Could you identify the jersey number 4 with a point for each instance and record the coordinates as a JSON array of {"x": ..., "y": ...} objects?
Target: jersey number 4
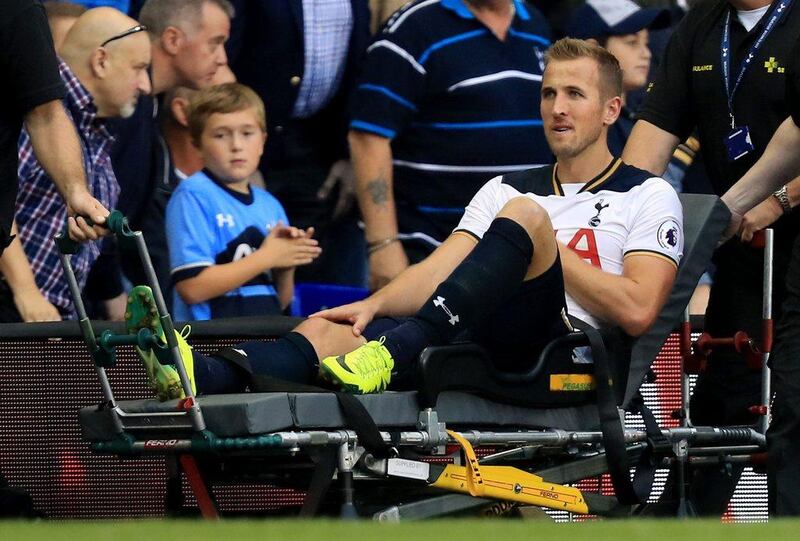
[{"x": 584, "y": 244}]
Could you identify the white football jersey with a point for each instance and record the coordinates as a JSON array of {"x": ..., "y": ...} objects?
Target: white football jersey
[{"x": 621, "y": 212}]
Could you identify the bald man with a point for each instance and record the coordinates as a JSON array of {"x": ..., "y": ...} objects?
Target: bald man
[
  {"x": 31, "y": 93},
  {"x": 104, "y": 63}
]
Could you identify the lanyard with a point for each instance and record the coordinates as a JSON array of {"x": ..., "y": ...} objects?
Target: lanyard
[{"x": 777, "y": 14}]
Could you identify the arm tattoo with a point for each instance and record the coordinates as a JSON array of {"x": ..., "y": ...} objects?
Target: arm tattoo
[{"x": 378, "y": 190}]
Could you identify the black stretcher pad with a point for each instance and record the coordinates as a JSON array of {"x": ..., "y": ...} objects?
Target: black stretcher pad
[{"x": 250, "y": 414}]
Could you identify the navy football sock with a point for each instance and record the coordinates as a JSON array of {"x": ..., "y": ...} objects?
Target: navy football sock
[
  {"x": 215, "y": 375},
  {"x": 291, "y": 358},
  {"x": 405, "y": 342},
  {"x": 486, "y": 278}
]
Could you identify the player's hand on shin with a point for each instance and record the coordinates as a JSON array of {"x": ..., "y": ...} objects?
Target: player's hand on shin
[
  {"x": 385, "y": 264},
  {"x": 286, "y": 247},
  {"x": 357, "y": 314}
]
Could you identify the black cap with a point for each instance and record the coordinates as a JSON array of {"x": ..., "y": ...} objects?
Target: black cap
[{"x": 597, "y": 18}]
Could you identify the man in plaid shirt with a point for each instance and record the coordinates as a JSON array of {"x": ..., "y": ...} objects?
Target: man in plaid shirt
[{"x": 104, "y": 69}]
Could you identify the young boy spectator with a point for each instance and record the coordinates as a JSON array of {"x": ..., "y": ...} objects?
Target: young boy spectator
[
  {"x": 185, "y": 158},
  {"x": 231, "y": 253}
]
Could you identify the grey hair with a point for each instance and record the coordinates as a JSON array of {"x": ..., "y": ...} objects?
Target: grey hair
[{"x": 157, "y": 15}]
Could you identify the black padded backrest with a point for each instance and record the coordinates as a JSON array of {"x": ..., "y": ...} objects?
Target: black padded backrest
[{"x": 704, "y": 219}]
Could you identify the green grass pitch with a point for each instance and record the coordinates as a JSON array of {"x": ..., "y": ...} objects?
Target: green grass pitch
[{"x": 450, "y": 530}]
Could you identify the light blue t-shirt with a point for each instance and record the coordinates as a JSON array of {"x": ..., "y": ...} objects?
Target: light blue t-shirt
[{"x": 209, "y": 224}]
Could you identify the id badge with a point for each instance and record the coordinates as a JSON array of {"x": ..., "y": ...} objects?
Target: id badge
[{"x": 738, "y": 143}]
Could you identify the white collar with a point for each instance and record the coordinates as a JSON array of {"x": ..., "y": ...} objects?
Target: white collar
[{"x": 750, "y": 17}]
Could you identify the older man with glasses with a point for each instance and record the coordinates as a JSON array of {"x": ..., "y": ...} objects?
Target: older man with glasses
[
  {"x": 31, "y": 92},
  {"x": 104, "y": 63}
]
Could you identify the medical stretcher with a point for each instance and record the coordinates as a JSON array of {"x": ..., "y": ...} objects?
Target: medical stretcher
[{"x": 386, "y": 459}]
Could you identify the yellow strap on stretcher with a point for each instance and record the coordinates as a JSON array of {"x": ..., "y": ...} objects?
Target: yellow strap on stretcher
[{"x": 506, "y": 483}]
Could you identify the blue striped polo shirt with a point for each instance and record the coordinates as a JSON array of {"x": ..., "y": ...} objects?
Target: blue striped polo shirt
[{"x": 460, "y": 105}]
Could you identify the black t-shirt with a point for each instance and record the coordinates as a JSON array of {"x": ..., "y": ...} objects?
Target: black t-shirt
[
  {"x": 793, "y": 84},
  {"x": 689, "y": 88},
  {"x": 792, "y": 302},
  {"x": 135, "y": 156},
  {"x": 142, "y": 165},
  {"x": 30, "y": 78}
]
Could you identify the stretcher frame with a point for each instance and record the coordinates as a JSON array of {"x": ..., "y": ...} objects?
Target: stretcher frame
[
  {"x": 693, "y": 357},
  {"x": 545, "y": 460}
]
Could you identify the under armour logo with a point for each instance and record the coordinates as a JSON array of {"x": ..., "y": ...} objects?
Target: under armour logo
[
  {"x": 439, "y": 302},
  {"x": 780, "y": 7},
  {"x": 595, "y": 220},
  {"x": 724, "y": 51},
  {"x": 225, "y": 219}
]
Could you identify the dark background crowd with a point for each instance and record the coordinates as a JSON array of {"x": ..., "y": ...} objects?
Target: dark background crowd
[{"x": 323, "y": 153}]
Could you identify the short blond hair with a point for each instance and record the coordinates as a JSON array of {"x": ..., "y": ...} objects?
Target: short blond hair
[
  {"x": 607, "y": 63},
  {"x": 223, "y": 99}
]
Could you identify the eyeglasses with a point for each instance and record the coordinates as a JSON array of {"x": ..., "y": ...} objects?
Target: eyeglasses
[{"x": 128, "y": 32}]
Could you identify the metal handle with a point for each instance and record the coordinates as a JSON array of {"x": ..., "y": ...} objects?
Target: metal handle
[
  {"x": 64, "y": 243},
  {"x": 116, "y": 222}
]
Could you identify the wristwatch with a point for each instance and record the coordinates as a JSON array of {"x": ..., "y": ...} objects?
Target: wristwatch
[{"x": 783, "y": 199}]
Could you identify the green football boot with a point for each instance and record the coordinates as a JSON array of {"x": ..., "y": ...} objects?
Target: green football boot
[
  {"x": 365, "y": 370},
  {"x": 163, "y": 379}
]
